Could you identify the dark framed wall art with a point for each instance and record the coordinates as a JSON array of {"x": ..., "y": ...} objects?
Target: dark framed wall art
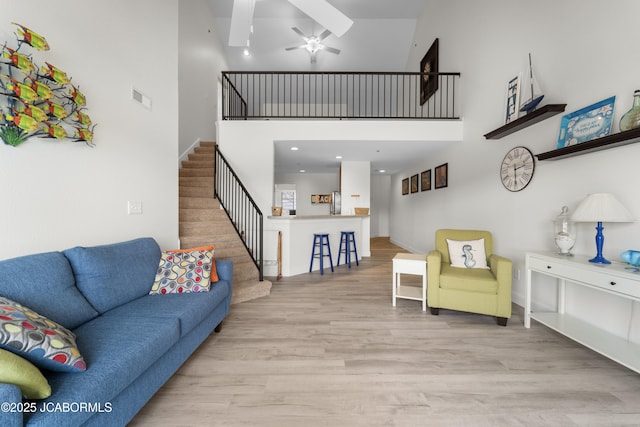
[
  {"x": 414, "y": 183},
  {"x": 405, "y": 186},
  {"x": 429, "y": 64},
  {"x": 441, "y": 176},
  {"x": 425, "y": 180}
]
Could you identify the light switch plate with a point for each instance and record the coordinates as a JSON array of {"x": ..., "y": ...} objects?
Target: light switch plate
[{"x": 134, "y": 208}]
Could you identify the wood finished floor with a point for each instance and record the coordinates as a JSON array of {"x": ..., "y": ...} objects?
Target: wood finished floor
[{"x": 331, "y": 351}]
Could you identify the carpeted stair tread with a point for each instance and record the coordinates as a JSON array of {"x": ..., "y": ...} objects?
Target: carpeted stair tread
[
  {"x": 201, "y": 157},
  {"x": 203, "y": 152},
  {"x": 198, "y": 203},
  {"x": 195, "y": 191},
  {"x": 198, "y": 215},
  {"x": 195, "y": 181},
  {"x": 197, "y": 163},
  {"x": 209, "y": 229},
  {"x": 199, "y": 172}
]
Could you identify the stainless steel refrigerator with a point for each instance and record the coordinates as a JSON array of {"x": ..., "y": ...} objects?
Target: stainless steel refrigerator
[{"x": 336, "y": 203}]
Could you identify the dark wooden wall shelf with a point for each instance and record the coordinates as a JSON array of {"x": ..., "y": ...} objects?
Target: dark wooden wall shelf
[
  {"x": 615, "y": 140},
  {"x": 536, "y": 116}
]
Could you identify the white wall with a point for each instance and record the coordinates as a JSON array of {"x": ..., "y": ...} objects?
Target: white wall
[
  {"x": 583, "y": 52},
  {"x": 355, "y": 186},
  {"x": 54, "y": 195},
  {"x": 308, "y": 184},
  {"x": 380, "y": 205},
  {"x": 201, "y": 60}
]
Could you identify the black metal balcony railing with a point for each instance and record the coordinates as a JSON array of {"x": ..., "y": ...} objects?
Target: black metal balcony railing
[
  {"x": 234, "y": 105},
  {"x": 336, "y": 95},
  {"x": 241, "y": 209}
]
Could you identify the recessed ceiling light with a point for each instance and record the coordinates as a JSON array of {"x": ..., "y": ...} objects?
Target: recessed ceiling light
[
  {"x": 294, "y": 148},
  {"x": 302, "y": 171},
  {"x": 382, "y": 171},
  {"x": 246, "y": 52},
  {"x": 338, "y": 157}
]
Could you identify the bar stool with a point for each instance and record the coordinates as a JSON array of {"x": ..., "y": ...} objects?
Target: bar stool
[
  {"x": 347, "y": 238},
  {"x": 320, "y": 240}
]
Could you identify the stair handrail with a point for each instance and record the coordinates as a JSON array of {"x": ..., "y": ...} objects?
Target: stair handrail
[
  {"x": 237, "y": 106},
  {"x": 242, "y": 210}
]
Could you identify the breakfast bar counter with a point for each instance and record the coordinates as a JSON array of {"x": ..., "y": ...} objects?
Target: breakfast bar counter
[{"x": 297, "y": 238}]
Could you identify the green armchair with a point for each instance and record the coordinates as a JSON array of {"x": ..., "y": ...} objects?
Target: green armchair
[{"x": 475, "y": 290}]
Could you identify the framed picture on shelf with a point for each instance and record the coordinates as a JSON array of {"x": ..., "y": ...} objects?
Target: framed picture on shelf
[
  {"x": 425, "y": 180},
  {"x": 405, "y": 186},
  {"x": 587, "y": 123},
  {"x": 441, "y": 176},
  {"x": 513, "y": 99},
  {"x": 414, "y": 183},
  {"x": 320, "y": 198},
  {"x": 429, "y": 64}
]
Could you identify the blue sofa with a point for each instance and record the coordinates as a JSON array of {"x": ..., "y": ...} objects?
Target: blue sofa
[{"x": 132, "y": 342}]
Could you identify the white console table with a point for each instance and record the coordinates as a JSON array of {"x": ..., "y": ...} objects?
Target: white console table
[{"x": 613, "y": 279}]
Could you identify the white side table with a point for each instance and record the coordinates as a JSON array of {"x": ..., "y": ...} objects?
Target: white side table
[{"x": 410, "y": 264}]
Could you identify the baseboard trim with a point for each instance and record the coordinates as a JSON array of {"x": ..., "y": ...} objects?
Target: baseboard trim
[
  {"x": 404, "y": 246},
  {"x": 184, "y": 156}
]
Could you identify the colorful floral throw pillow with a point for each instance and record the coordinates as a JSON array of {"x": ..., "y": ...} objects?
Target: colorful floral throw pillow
[
  {"x": 183, "y": 272},
  {"x": 42, "y": 341}
]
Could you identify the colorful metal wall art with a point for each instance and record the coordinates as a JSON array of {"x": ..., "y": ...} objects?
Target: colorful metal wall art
[{"x": 38, "y": 101}]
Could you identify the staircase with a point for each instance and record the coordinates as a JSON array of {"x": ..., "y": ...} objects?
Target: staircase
[{"x": 203, "y": 222}]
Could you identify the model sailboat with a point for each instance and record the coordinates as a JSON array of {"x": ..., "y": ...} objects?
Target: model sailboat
[{"x": 534, "y": 99}]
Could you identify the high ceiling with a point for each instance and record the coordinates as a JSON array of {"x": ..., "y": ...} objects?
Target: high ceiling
[{"x": 379, "y": 40}]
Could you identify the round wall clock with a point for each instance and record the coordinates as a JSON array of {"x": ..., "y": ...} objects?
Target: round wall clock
[{"x": 517, "y": 169}]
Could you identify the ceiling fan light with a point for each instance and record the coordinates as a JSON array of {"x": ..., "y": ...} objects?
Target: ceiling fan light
[{"x": 313, "y": 45}]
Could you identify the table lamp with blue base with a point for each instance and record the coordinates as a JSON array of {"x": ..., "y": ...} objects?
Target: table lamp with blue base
[{"x": 601, "y": 207}]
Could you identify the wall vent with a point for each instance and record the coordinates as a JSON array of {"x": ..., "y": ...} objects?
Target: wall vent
[{"x": 141, "y": 98}]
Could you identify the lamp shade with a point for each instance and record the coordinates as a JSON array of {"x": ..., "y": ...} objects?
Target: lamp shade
[{"x": 601, "y": 207}]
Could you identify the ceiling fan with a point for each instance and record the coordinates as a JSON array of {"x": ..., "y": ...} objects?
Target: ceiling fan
[{"x": 313, "y": 44}]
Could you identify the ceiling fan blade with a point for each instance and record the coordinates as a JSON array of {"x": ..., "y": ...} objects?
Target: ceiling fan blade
[
  {"x": 332, "y": 50},
  {"x": 324, "y": 14},
  {"x": 298, "y": 32},
  {"x": 296, "y": 47},
  {"x": 324, "y": 35},
  {"x": 241, "y": 18}
]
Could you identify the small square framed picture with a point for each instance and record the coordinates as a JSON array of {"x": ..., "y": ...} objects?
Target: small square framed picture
[
  {"x": 405, "y": 186},
  {"x": 441, "y": 176},
  {"x": 425, "y": 180}
]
